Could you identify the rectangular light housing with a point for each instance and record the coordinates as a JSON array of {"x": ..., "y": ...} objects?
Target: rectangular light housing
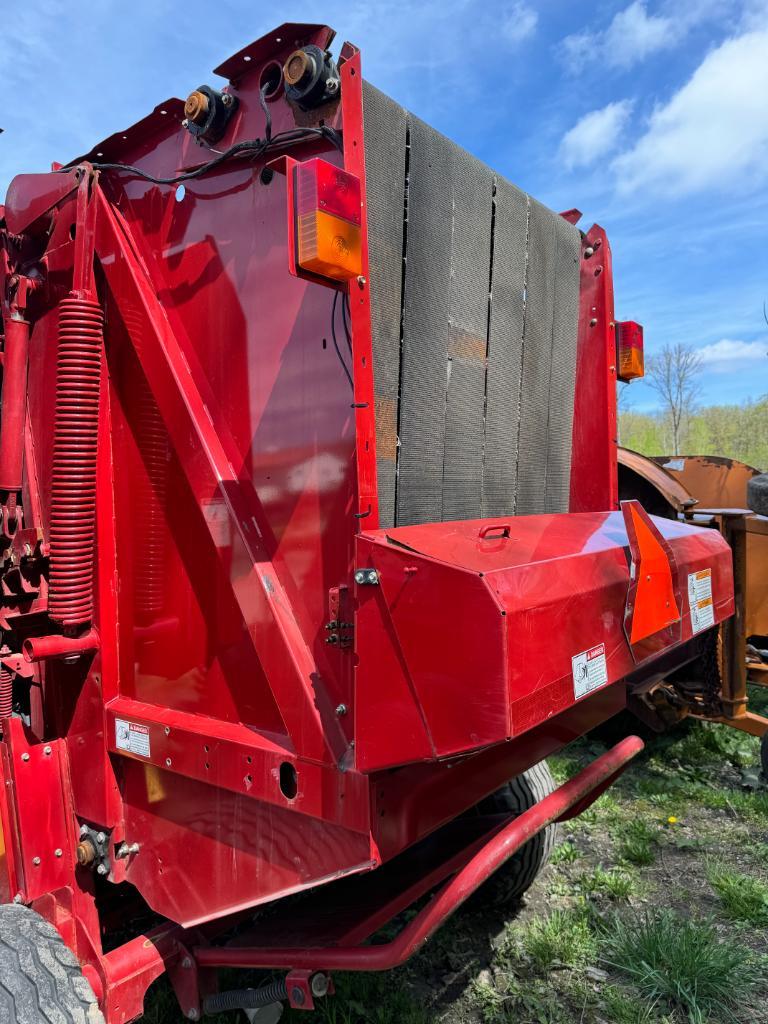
[
  {"x": 629, "y": 343},
  {"x": 328, "y": 219}
]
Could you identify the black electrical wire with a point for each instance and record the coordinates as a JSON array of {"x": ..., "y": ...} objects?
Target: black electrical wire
[
  {"x": 254, "y": 147},
  {"x": 267, "y": 115},
  {"x": 346, "y": 316},
  {"x": 335, "y": 342}
]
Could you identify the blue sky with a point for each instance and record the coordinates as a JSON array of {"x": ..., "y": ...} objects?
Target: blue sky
[{"x": 651, "y": 117}]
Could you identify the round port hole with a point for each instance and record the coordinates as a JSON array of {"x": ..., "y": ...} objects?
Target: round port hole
[
  {"x": 271, "y": 79},
  {"x": 289, "y": 784}
]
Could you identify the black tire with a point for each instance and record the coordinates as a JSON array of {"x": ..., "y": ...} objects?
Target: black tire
[
  {"x": 757, "y": 494},
  {"x": 40, "y": 978},
  {"x": 516, "y": 796}
]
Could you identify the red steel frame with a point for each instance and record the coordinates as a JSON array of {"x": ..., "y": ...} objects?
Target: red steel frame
[{"x": 235, "y": 495}]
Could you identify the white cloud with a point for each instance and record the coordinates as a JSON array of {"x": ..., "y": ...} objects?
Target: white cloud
[
  {"x": 635, "y": 34},
  {"x": 714, "y": 130},
  {"x": 595, "y": 134},
  {"x": 519, "y": 23},
  {"x": 728, "y": 354},
  {"x": 632, "y": 35}
]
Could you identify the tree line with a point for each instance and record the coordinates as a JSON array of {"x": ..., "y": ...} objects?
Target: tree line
[{"x": 681, "y": 426}]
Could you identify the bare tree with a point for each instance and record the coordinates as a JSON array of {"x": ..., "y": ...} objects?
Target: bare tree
[{"x": 674, "y": 374}]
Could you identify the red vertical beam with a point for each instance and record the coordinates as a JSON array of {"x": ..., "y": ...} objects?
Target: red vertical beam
[
  {"x": 594, "y": 466},
  {"x": 360, "y": 302}
]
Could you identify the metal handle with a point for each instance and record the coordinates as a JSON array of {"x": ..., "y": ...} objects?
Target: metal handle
[{"x": 503, "y": 530}]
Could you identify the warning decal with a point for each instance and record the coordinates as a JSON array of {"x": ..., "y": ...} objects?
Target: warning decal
[
  {"x": 590, "y": 671},
  {"x": 132, "y": 737},
  {"x": 700, "y": 600}
]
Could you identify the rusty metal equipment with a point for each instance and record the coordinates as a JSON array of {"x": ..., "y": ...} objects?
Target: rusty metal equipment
[
  {"x": 712, "y": 491},
  {"x": 311, "y": 537}
]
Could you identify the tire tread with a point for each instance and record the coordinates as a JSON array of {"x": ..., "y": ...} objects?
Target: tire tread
[{"x": 40, "y": 978}]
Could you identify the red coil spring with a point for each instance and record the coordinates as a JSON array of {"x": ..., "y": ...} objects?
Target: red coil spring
[
  {"x": 6, "y": 692},
  {"x": 73, "y": 482}
]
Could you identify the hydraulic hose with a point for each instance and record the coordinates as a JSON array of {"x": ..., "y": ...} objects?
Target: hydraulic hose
[{"x": 246, "y": 998}]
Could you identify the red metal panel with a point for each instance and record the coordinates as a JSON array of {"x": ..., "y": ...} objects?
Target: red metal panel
[
  {"x": 594, "y": 475},
  {"x": 209, "y": 852},
  {"x": 39, "y": 777},
  {"x": 497, "y": 849},
  {"x": 536, "y": 595}
]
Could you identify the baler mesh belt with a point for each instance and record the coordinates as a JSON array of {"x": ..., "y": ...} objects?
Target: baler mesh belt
[{"x": 475, "y": 291}]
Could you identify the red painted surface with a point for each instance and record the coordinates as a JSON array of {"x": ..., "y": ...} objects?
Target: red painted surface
[
  {"x": 508, "y": 612},
  {"x": 594, "y": 466},
  {"x": 652, "y": 589},
  {"x": 580, "y": 790},
  {"x": 199, "y": 717}
]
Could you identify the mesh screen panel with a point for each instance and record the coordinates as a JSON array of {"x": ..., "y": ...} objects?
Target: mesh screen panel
[{"x": 475, "y": 290}]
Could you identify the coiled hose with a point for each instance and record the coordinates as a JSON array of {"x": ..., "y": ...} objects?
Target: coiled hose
[{"x": 246, "y": 998}]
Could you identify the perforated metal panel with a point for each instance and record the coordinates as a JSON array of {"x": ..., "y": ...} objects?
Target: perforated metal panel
[{"x": 475, "y": 291}]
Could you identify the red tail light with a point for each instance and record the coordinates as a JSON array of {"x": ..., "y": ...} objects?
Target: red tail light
[
  {"x": 328, "y": 215},
  {"x": 629, "y": 342}
]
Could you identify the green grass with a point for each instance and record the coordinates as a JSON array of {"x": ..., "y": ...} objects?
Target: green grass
[
  {"x": 743, "y": 897},
  {"x": 373, "y": 998},
  {"x": 683, "y": 963},
  {"x": 613, "y": 883},
  {"x": 623, "y": 1007},
  {"x": 565, "y": 853},
  {"x": 563, "y": 938},
  {"x": 636, "y": 845}
]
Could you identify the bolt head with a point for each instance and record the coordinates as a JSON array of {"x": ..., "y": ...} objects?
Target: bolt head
[
  {"x": 193, "y": 1014},
  {"x": 319, "y": 984},
  {"x": 332, "y": 86},
  {"x": 185, "y": 123},
  {"x": 297, "y": 996},
  {"x": 58, "y": 852},
  {"x": 361, "y": 280},
  {"x": 25, "y": 757},
  {"x": 186, "y": 963},
  {"x": 359, "y": 577},
  {"x": 341, "y": 709},
  {"x": 100, "y": 837},
  {"x": 373, "y": 576},
  {"x": 227, "y": 99},
  {"x": 36, "y": 861},
  {"x": 18, "y": 898},
  {"x": 46, "y": 750},
  {"x": 588, "y": 251},
  {"x": 102, "y": 870}
]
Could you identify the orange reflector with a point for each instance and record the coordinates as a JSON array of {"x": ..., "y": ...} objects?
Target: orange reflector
[
  {"x": 655, "y": 606},
  {"x": 629, "y": 342},
  {"x": 328, "y": 217},
  {"x": 329, "y": 246}
]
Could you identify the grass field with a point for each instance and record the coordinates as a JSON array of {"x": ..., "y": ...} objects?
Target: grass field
[{"x": 653, "y": 909}]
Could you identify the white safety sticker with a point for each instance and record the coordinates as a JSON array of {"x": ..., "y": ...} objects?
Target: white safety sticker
[
  {"x": 132, "y": 737},
  {"x": 590, "y": 671},
  {"x": 700, "y": 600}
]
